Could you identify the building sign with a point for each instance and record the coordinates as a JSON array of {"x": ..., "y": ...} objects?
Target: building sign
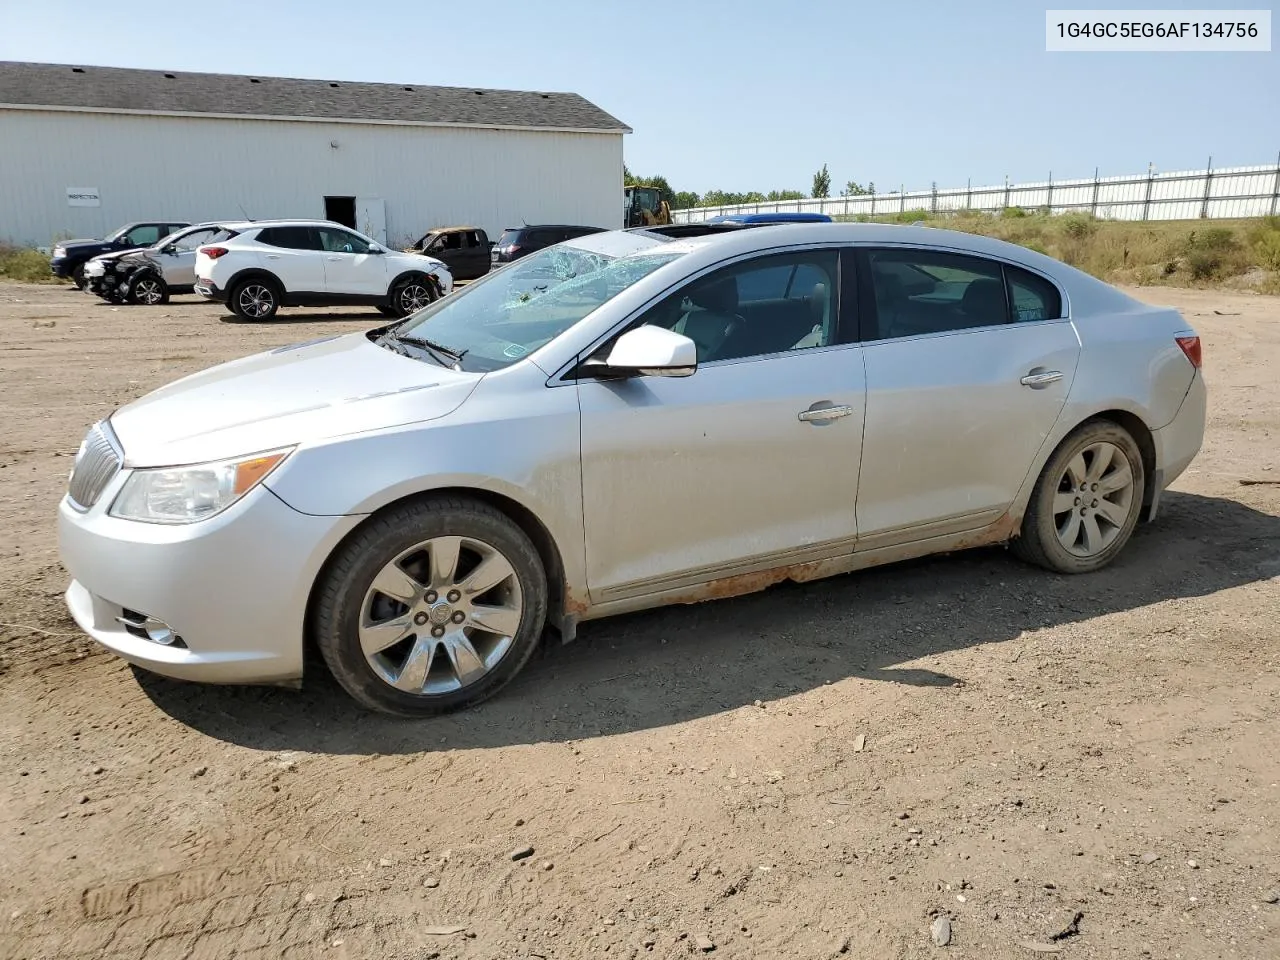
[{"x": 83, "y": 197}]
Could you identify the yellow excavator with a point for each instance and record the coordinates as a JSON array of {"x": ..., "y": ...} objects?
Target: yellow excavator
[{"x": 645, "y": 207}]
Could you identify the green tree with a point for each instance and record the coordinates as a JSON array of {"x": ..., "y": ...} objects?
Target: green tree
[
  {"x": 854, "y": 189},
  {"x": 822, "y": 182},
  {"x": 685, "y": 199},
  {"x": 784, "y": 195}
]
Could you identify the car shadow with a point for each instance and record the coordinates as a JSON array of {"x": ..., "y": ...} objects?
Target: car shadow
[
  {"x": 292, "y": 315},
  {"x": 678, "y": 663}
]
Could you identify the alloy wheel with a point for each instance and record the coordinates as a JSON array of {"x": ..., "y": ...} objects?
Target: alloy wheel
[
  {"x": 255, "y": 300},
  {"x": 441, "y": 615},
  {"x": 147, "y": 291},
  {"x": 413, "y": 297},
  {"x": 1094, "y": 496}
]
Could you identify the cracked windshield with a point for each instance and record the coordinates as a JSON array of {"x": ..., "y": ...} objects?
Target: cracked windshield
[{"x": 517, "y": 309}]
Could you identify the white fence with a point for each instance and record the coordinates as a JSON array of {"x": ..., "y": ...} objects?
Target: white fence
[{"x": 1186, "y": 195}]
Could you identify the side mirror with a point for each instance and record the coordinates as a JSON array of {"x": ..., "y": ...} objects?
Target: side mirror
[
  {"x": 374, "y": 248},
  {"x": 653, "y": 352}
]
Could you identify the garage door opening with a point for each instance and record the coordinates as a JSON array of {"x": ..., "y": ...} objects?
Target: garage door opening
[{"x": 341, "y": 210}]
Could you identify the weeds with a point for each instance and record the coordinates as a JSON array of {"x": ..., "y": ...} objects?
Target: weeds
[
  {"x": 1242, "y": 253},
  {"x": 25, "y": 264}
]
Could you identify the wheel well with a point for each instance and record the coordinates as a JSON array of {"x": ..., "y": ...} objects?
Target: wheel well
[
  {"x": 516, "y": 512},
  {"x": 1141, "y": 434},
  {"x": 423, "y": 274},
  {"x": 254, "y": 273}
]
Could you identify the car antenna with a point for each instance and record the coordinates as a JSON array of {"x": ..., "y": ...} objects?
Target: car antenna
[{"x": 246, "y": 215}]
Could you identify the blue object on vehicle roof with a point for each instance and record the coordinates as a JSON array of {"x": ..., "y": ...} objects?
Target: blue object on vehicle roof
[{"x": 771, "y": 218}]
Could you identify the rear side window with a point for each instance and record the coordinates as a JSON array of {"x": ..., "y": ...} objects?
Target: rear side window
[
  {"x": 543, "y": 238},
  {"x": 194, "y": 239},
  {"x": 1032, "y": 297},
  {"x": 919, "y": 292},
  {"x": 290, "y": 238},
  {"x": 220, "y": 235}
]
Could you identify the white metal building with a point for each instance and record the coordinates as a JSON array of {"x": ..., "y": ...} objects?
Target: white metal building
[{"x": 86, "y": 149}]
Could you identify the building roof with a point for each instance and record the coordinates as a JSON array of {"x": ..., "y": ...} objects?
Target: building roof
[{"x": 114, "y": 89}]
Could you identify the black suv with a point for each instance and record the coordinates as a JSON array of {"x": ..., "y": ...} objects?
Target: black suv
[
  {"x": 70, "y": 256},
  {"x": 517, "y": 242}
]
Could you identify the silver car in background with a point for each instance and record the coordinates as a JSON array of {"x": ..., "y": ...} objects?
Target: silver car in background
[{"x": 626, "y": 420}]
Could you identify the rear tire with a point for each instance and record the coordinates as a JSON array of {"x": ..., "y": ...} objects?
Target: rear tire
[
  {"x": 255, "y": 299},
  {"x": 430, "y": 607},
  {"x": 1086, "y": 502}
]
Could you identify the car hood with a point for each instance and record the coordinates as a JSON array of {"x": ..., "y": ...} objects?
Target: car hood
[
  {"x": 295, "y": 394},
  {"x": 81, "y": 245}
]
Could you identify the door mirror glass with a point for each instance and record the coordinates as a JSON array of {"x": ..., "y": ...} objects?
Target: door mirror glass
[{"x": 653, "y": 352}]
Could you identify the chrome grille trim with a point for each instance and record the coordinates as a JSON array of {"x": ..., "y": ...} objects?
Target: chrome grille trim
[{"x": 97, "y": 464}]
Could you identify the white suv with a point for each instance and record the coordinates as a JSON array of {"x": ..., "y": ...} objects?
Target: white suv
[{"x": 256, "y": 268}]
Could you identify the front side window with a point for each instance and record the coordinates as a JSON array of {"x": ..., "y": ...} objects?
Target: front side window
[
  {"x": 190, "y": 241},
  {"x": 339, "y": 241},
  {"x": 144, "y": 236},
  {"x": 768, "y": 305},
  {"x": 508, "y": 314},
  {"x": 920, "y": 292}
]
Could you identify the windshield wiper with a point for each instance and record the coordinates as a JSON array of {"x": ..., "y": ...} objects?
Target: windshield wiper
[{"x": 438, "y": 350}]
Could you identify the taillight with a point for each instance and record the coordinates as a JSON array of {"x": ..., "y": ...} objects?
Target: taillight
[
  {"x": 213, "y": 253},
  {"x": 1191, "y": 347}
]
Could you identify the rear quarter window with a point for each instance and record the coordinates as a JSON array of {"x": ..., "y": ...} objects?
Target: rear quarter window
[{"x": 1032, "y": 297}]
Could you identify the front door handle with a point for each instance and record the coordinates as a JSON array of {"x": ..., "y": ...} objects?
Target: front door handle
[
  {"x": 1043, "y": 378},
  {"x": 824, "y": 412},
  {"x": 273, "y": 256}
]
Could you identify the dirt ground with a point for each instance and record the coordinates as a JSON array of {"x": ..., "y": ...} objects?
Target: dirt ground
[{"x": 819, "y": 769}]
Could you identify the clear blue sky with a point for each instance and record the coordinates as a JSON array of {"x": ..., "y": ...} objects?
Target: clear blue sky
[{"x": 739, "y": 95}]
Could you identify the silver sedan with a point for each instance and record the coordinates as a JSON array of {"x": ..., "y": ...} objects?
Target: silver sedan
[{"x": 626, "y": 420}]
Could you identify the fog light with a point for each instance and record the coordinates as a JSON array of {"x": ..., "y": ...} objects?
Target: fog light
[{"x": 149, "y": 628}]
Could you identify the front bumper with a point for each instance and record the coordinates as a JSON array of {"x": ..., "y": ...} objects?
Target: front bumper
[
  {"x": 234, "y": 587},
  {"x": 60, "y": 268}
]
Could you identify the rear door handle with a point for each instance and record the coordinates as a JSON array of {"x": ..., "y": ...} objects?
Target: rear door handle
[
  {"x": 819, "y": 414},
  {"x": 1037, "y": 380},
  {"x": 333, "y": 258}
]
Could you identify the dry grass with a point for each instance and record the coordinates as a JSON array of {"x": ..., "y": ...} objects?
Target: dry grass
[
  {"x": 1241, "y": 254},
  {"x": 23, "y": 263}
]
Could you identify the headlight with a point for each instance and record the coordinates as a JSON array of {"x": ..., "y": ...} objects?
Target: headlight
[
  {"x": 188, "y": 494},
  {"x": 59, "y": 252}
]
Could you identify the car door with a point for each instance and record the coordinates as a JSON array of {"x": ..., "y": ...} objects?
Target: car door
[
  {"x": 752, "y": 462},
  {"x": 350, "y": 270},
  {"x": 293, "y": 255},
  {"x": 178, "y": 259},
  {"x": 962, "y": 389}
]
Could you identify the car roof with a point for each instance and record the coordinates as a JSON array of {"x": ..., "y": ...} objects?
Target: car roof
[
  {"x": 448, "y": 230},
  {"x": 253, "y": 224}
]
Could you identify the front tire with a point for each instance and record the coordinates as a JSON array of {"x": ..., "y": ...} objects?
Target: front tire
[
  {"x": 1086, "y": 502},
  {"x": 149, "y": 290},
  {"x": 412, "y": 294},
  {"x": 255, "y": 299},
  {"x": 77, "y": 277},
  {"x": 431, "y": 607}
]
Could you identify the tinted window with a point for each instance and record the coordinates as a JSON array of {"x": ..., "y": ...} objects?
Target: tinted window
[
  {"x": 291, "y": 238},
  {"x": 1033, "y": 297},
  {"x": 756, "y": 307},
  {"x": 472, "y": 239},
  {"x": 921, "y": 291},
  {"x": 508, "y": 238},
  {"x": 144, "y": 236},
  {"x": 453, "y": 241},
  {"x": 543, "y": 238}
]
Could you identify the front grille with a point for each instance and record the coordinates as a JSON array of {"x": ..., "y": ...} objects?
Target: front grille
[{"x": 96, "y": 464}]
